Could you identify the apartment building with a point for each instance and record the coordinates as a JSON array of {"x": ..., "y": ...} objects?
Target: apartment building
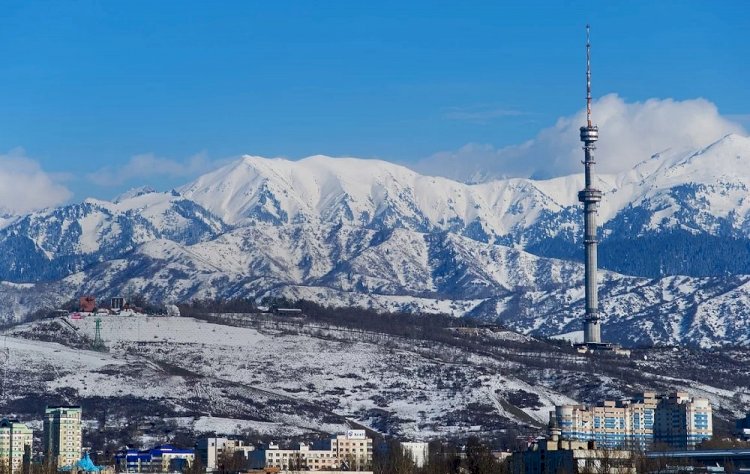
[
  {"x": 305, "y": 457},
  {"x": 610, "y": 423},
  {"x": 212, "y": 449},
  {"x": 15, "y": 445},
  {"x": 62, "y": 435},
  {"x": 353, "y": 449},
  {"x": 683, "y": 422},
  {"x": 349, "y": 451}
]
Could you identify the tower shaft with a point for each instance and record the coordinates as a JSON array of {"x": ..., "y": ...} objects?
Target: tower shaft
[{"x": 590, "y": 197}]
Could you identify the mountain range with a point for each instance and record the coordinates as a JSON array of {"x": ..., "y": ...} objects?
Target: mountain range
[{"x": 675, "y": 244}]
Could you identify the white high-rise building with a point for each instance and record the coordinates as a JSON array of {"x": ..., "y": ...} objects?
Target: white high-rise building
[
  {"x": 418, "y": 452},
  {"x": 62, "y": 435},
  {"x": 210, "y": 450},
  {"x": 15, "y": 443}
]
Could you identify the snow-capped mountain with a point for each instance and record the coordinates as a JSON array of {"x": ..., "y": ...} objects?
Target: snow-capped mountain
[
  {"x": 372, "y": 233},
  {"x": 430, "y": 273},
  {"x": 55, "y": 243},
  {"x": 697, "y": 198},
  {"x": 373, "y": 194},
  {"x": 702, "y": 190}
]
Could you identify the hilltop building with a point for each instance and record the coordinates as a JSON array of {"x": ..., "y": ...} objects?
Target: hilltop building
[
  {"x": 62, "y": 435},
  {"x": 15, "y": 445},
  {"x": 117, "y": 303},
  {"x": 87, "y": 304},
  {"x": 675, "y": 420},
  {"x": 164, "y": 458}
]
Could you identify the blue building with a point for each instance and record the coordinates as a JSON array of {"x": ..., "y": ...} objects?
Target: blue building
[{"x": 163, "y": 458}]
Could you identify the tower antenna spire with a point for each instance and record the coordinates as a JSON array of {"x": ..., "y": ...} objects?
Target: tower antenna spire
[{"x": 588, "y": 75}]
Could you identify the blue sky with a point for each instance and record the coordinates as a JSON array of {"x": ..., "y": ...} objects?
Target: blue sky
[{"x": 86, "y": 86}]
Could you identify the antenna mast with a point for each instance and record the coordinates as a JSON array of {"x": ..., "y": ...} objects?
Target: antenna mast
[{"x": 588, "y": 75}]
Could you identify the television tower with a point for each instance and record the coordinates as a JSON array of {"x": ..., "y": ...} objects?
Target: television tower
[{"x": 590, "y": 197}]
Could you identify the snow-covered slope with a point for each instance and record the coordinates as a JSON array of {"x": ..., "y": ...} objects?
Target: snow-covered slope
[
  {"x": 698, "y": 190},
  {"x": 278, "y": 377},
  {"x": 403, "y": 270},
  {"x": 371, "y": 233}
]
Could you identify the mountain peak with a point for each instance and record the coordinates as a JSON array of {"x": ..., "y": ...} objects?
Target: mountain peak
[
  {"x": 726, "y": 157},
  {"x": 731, "y": 140},
  {"x": 134, "y": 192}
]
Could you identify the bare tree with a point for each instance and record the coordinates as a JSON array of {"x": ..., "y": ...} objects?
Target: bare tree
[{"x": 393, "y": 460}]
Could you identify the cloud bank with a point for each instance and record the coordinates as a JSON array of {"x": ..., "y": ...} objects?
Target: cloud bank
[
  {"x": 147, "y": 165},
  {"x": 628, "y": 133},
  {"x": 26, "y": 187}
]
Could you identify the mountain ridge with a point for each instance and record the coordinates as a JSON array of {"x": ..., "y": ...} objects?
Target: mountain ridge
[{"x": 373, "y": 233}]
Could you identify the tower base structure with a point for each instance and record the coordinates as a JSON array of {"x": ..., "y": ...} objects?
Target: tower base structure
[{"x": 602, "y": 348}]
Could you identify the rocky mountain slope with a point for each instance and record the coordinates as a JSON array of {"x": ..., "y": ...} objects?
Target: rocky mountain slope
[{"x": 375, "y": 234}]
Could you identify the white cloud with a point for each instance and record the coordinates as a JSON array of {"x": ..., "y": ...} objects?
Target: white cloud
[
  {"x": 628, "y": 133},
  {"x": 145, "y": 166},
  {"x": 25, "y": 186}
]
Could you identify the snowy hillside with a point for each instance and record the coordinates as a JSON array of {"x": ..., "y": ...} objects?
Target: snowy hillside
[
  {"x": 345, "y": 231},
  {"x": 272, "y": 376},
  {"x": 38, "y": 371}
]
